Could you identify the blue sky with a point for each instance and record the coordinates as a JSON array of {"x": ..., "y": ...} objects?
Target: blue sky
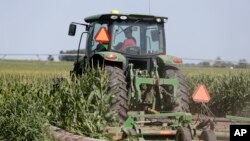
[{"x": 202, "y": 29}]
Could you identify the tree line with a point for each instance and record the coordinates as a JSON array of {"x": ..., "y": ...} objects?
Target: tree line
[
  {"x": 66, "y": 55},
  {"x": 218, "y": 63}
]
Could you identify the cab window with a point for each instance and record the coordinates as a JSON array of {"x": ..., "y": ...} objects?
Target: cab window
[
  {"x": 138, "y": 38},
  {"x": 91, "y": 43},
  {"x": 122, "y": 32}
]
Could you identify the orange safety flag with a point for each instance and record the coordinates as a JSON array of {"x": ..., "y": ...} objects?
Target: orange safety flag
[
  {"x": 201, "y": 94},
  {"x": 102, "y": 35}
]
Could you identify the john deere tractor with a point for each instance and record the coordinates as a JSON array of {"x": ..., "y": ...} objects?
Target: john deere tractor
[
  {"x": 150, "y": 94},
  {"x": 132, "y": 49}
]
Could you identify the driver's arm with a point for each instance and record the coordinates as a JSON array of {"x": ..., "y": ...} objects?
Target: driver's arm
[
  {"x": 118, "y": 46},
  {"x": 127, "y": 43}
]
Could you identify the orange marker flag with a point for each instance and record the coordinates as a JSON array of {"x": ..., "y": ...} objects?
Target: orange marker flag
[
  {"x": 102, "y": 35},
  {"x": 201, "y": 94}
]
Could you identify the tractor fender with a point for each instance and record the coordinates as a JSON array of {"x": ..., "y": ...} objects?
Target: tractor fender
[
  {"x": 168, "y": 60},
  {"x": 109, "y": 58}
]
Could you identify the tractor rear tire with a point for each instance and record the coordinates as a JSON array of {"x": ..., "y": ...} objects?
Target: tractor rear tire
[
  {"x": 182, "y": 96},
  {"x": 183, "y": 134},
  {"x": 208, "y": 135},
  {"x": 117, "y": 85}
]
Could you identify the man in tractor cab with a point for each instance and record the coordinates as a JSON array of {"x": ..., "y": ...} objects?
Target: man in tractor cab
[{"x": 129, "y": 41}]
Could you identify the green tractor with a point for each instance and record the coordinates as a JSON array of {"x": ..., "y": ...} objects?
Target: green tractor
[
  {"x": 132, "y": 49},
  {"x": 151, "y": 89}
]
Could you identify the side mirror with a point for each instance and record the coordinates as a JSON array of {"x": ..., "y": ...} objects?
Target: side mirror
[{"x": 72, "y": 30}]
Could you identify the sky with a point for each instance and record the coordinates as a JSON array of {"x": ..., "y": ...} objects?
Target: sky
[{"x": 202, "y": 29}]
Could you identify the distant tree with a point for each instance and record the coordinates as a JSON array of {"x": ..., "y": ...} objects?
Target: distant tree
[
  {"x": 204, "y": 64},
  {"x": 242, "y": 63},
  {"x": 219, "y": 63},
  {"x": 50, "y": 58},
  {"x": 189, "y": 65},
  {"x": 66, "y": 55},
  {"x": 230, "y": 64}
]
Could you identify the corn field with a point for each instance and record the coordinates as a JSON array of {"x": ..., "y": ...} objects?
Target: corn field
[
  {"x": 30, "y": 101},
  {"x": 230, "y": 92},
  {"x": 35, "y": 94}
]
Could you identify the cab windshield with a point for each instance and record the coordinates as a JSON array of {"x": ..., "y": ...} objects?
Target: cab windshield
[{"x": 138, "y": 38}]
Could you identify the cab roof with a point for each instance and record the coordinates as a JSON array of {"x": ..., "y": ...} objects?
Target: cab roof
[{"x": 107, "y": 17}]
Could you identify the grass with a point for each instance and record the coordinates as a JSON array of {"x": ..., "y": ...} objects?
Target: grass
[
  {"x": 35, "y": 67},
  {"x": 212, "y": 71}
]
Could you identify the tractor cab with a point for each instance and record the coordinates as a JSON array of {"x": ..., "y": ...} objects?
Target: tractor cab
[
  {"x": 125, "y": 34},
  {"x": 118, "y": 39}
]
